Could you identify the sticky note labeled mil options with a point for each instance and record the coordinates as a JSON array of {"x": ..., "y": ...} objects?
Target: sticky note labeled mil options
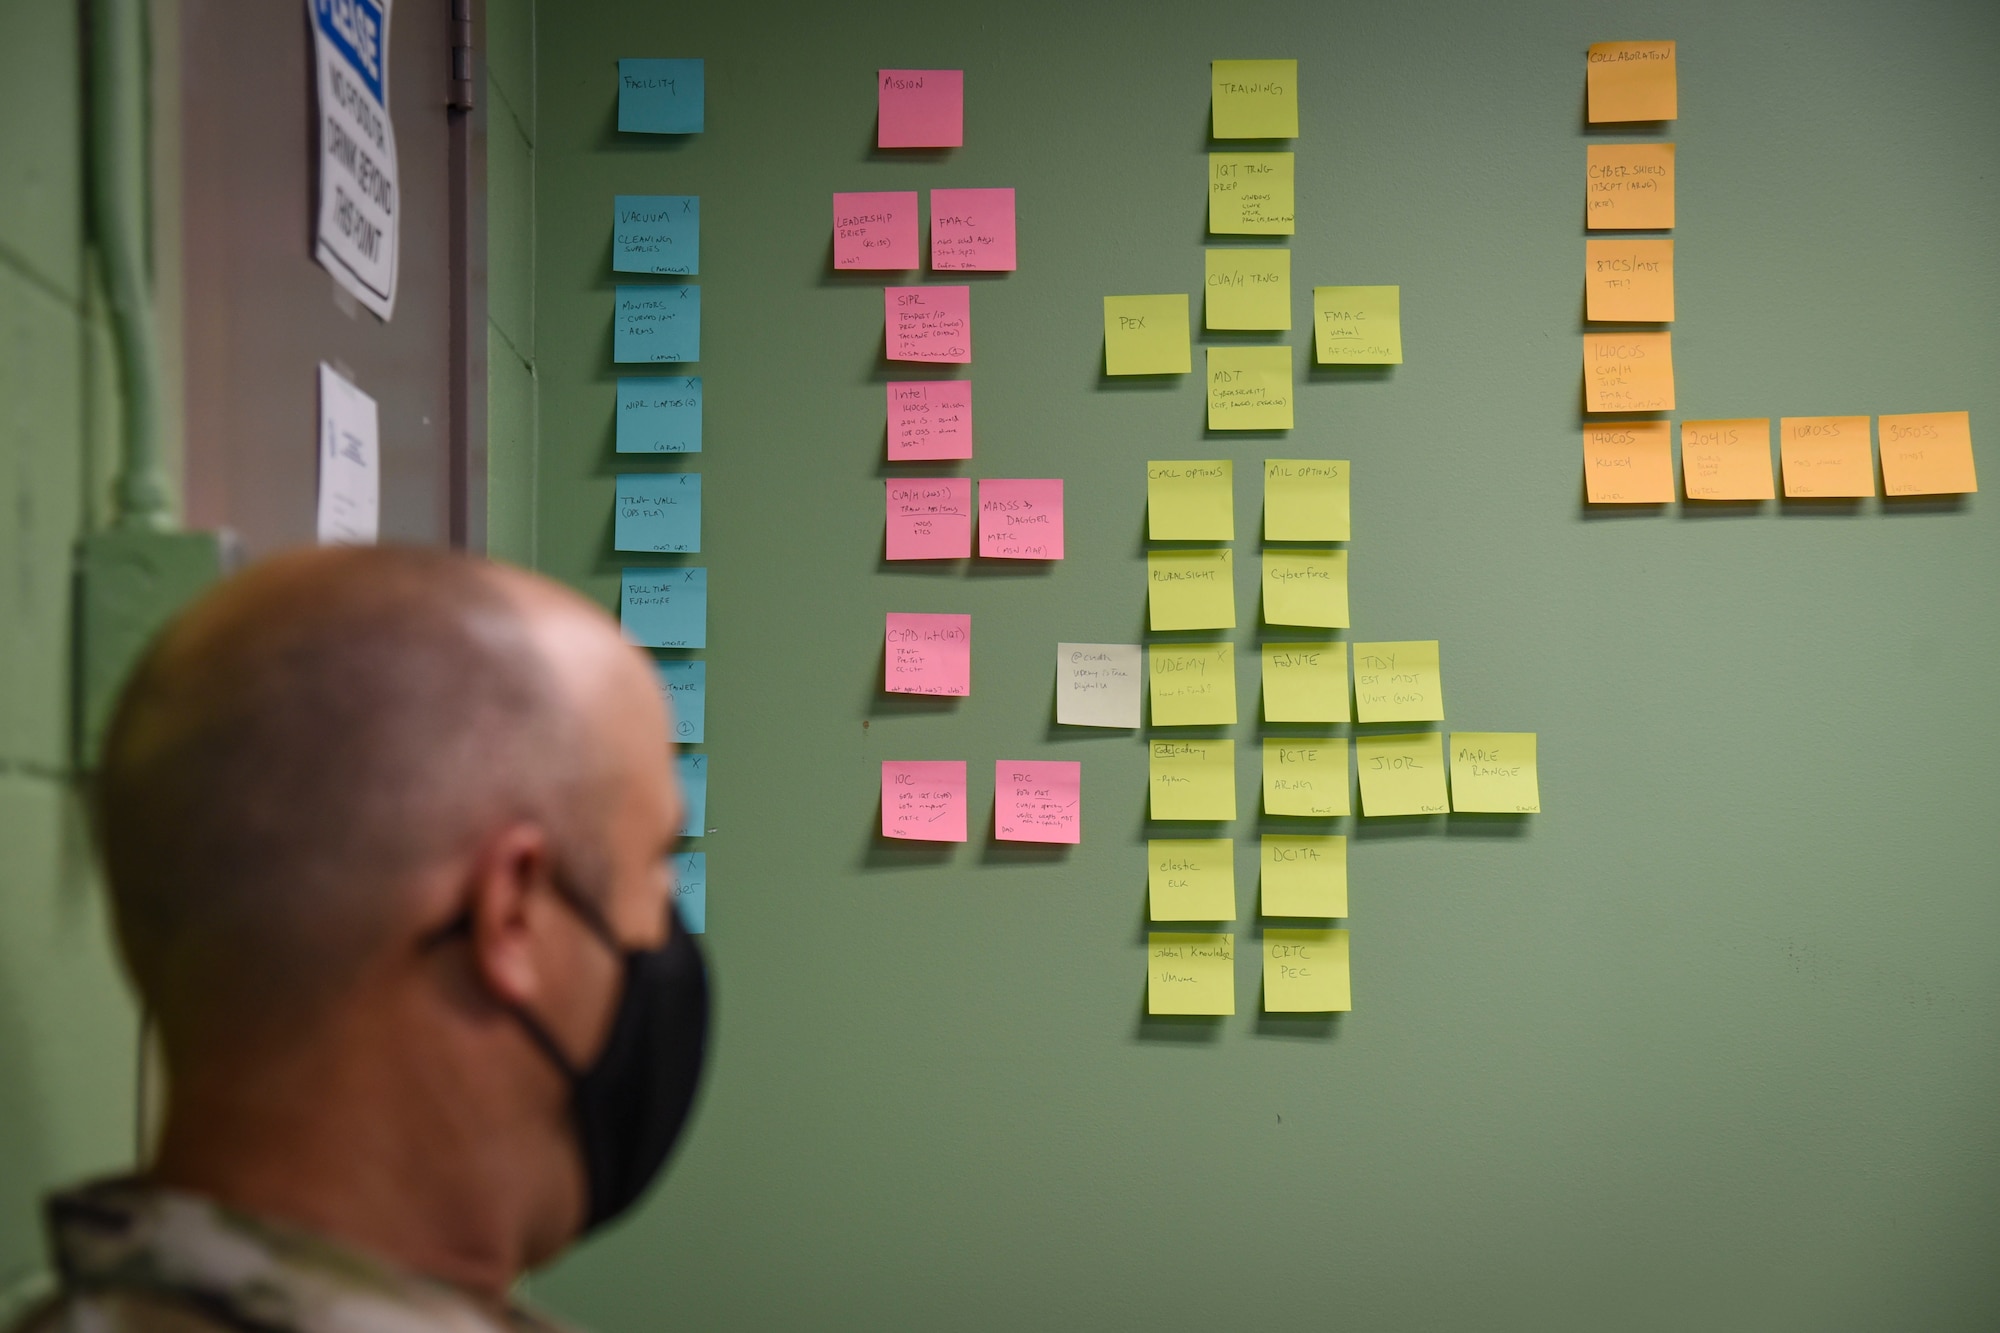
[
  {"x": 1191, "y": 879},
  {"x": 1097, "y": 684},
  {"x": 1248, "y": 289},
  {"x": 1927, "y": 453},
  {"x": 664, "y": 608},
  {"x": 1306, "y": 500},
  {"x": 927, "y": 654},
  {"x": 972, "y": 230},
  {"x": 1628, "y": 280},
  {"x": 1253, "y": 99},
  {"x": 1401, "y": 775},
  {"x": 1037, "y": 800},
  {"x": 919, "y": 108},
  {"x": 1193, "y": 779},
  {"x": 1727, "y": 460},
  {"x": 659, "y": 323},
  {"x": 1250, "y": 194},
  {"x": 1494, "y": 772},
  {"x": 875, "y": 230},
  {"x": 1021, "y": 518},
  {"x": 656, "y": 233},
  {"x": 659, "y": 414},
  {"x": 1190, "y": 974},
  {"x": 927, "y": 324},
  {"x": 1191, "y": 589},
  {"x": 1306, "y": 776},
  {"x": 1628, "y": 372},
  {"x": 1305, "y": 587},
  {"x": 1305, "y": 971},
  {"x": 1826, "y": 457},
  {"x": 1303, "y": 874},
  {"x": 657, "y": 511},
  {"x": 1629, "y": 187},
  {"x": 661, "y": 96},
  {"x": 1398, "y": 682},
  {"x": 1358, "y": 326},
  {"x": 929, "y": 419},
  {"x": 1631, "y": 81},
  {"x": 1147, "y": 335},
  {"x": 1249, "y": 388},
  {"x": 1193, "y": 684},
  {"x": 1305, "y": 682},
  {"x": 1630, "y": 463},
  {"x": 1191, "y": 500},
  {"x": 924, "y": 799},
  {"x": 929, "y": 518},
  {"x": 684, "y": 683}
]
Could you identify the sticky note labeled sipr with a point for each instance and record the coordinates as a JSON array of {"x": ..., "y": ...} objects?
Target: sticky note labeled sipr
[
  {"x": 1306, "y": 776},
  {"x": 657, "y": 511},
  {"x": 1193, "y": 684},
  {"x": 927, "y": 324},
  {"x": 685, "y": 686},
  {"x": 1250, "y": 194},
  {"x": 1493, "y": 772},
  {"x": 924, "y": 799},
  {"x": 659, "y": 323},
  {"x": 1631, "y": 81},
  {"x": 664, "y": 608},
  {"x": 1826, "y": 457},
  {"x": 1191, "y": 879},
  {"x": 1303, "y": 875},
  {"x": 1147, "y": 335},
  {"x": 1628, "y": 372},
  {"x": 694, "y": 794},
  {"x": 1629, "y": 187},
  {"x": 659, "y": 414},
  {"x": 1306, "y": 500},
  {"x": 1398, "y": 682},
  {"x": 656, "y": 233},
  {"x": 1727, "y": 460},
  {"x": 691, "y": 890},
  {"x": 1628, "y": 280},
  {"x": 1248, "y": 289},
  {"x": 919, "y": 108},
  {"x": 1193, "y": 589},
  {"x": 929, "y": 419},
  {"x": 1305, "y": 682},
  {"x": 1192, "y": 779},
  {"x": 1305, "y": 972},
  {"x": 1305, "y": 587},
  {"x": 875, "y": 230},
  {"x": 927, "y": 654},
  {"x": 660, "y": 96},
  {"x": 1927, "y": 453},
  {"x": 1249, "y": 388},
  {"x": 1401, "y": 775},
  {"x": 1037, "y": 800},
  {"x": 972, "y": 230},
  {"x": 929, "y": 518},
  {"x": 1191, "y": 500},
  {"x": 1253, "y": 99},
  {"x": 1190, "y": 974},
  {"x": 1630, "y": 463},
  {"x": 1358, "y": 326},
  {"x": 1098, "y": 684},
  {"x": 1021, "y": 518}
]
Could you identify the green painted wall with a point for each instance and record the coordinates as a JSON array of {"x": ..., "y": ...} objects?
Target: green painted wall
[
  {"x": 509, "y": 116},
  {"x": 1710, "y": 1044}
]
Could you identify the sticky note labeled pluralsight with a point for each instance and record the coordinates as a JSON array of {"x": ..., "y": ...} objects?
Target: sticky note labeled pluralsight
[
  {"x": 1493, "y": 772},
  {"x": 1191, "y": 879},
  {"x": 929, "y": 518},
  {"x": 1927, "y": 453},
  {"x": 1826, "y": 457},
  {"x": 1306, "y": 776},
  {"x": 657, "y": 323},
  {"x": 924, "y": 799},
  {"x": 1401, "y": 775},
  {"x": 659, "y": 414},
  {"x": 1021, "y": 518},
  {"x": 1630, "y": 463},
  {"x": 1193, "y": 779},
  {"x": 1628, "y": 372},
  {"x": 1193, "y": 684},
  {"x": 691, "y": 890},
  {"x": 1306, "y": 500},
  {"x": 919, "y": 108},
  {"x": 875, "y": 230},
  {"x": 1303, "y": 874},
  {"x": 1190, "y": 974},
  {"x": 1631, "y": 81},
  {"x": 1098, "y": 684},
  {"x": 1628, "y": 280},
  {"x": 1305, "y": 587},
  {"x": 929, "y": 420},
  {"x": 1727, "y": 460},
  {"x": 927, "y": 654},
  {"x": 660, "y": 96},
  {"x": 1398, "y": 682},
  {"x": 1038, "y": 800},
  {"x": 694, "y": 794},
  {"x": 1249, "y": 388},
  {"x": 657, "y": 511},
  {"x": 1305, "y": 972},
  {"x": 1358, "y": 326},
  {"x": 1629, "y": 187},
  {"x": 1191, "y": 500},
  {"x": 927, "y": 324},
  {"x": 1190, "y": 589},
  {"x": 1250, "y": 194},
  {"x": 1147, "y": 335},
  {"x": 1248, "y": 288},
  {"x": 1253, "y": 99},
  {"x": 684, "y": 683},
  {"x": 972, "y": 230},
  {"x": 664, "y": 608},
  {"x": 656, "y": 233},
  {"x": 1305, "y": 682}
]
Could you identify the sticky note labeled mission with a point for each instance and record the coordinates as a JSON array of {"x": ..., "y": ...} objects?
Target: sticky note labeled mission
[
  {"x": 1305, "y": 682},
  {"x": 927, "y": 654},
  {"x": 656, "y": 233},
  {"x": 972, "y": 230},
  {"x": 929, "y": 518},
  {"x": 1248, "y": 289},
  {"x": 1249, "y": 388},
  {"x": 1358, "y": 326},
  {"x": 1254, "y": 99},
  {"x": 1629, "y": 187},
  {"x": 1306, "y": 500},
  {"x": 1193, "y": 684},
  {"x": 1303, "y": 875},
  {"x": 1147, "y": 335},
  {"x": 1306, "y": 776},
  {"x": 1191, "y": 500},
  {"x": 664, "y": 608},
  {"x": 685, "y": 687},
  {"x": 1250, "y": 194},
  {"x": 929, "y": 420},
  {"x": 1038, "y": 800},
  {"x": 1631, "y": 463},
  {"x": 1628, "y": 281},
  {"x": 875, "y": 230},
  {"x": 1628, "y": 372},
  {"x": 1190, "y": 974},
  {"x": 1826, "y": 457},
  {"x": 659, "y": 414},
  {"x": 924, "y": 800},
  {"x": 1631, "y": 81},
  {"x": 1927, "y": 453},
  {"x": 928, "y": 324},
  {"x": 1192, "y": 779},
  {"x": 1305, "y": 587},
  {"x": 1305, "y": 971},
  {"x": 1493, "y": 772},
  {"x": 1401, "y": 775},
  {"x": 661, "y": 96},
  {"x": 919, "y": 108},
  {"x": 1191, "y": 879},
  {"x": 657, "y": 511},
  {"x": 659, "y": 323},
  {"x": 1727, "y": 460},
  {"x": 694, "y": 794},
  {"x": 1021, "y": 518},
  {"x": 1398, "y": 682},
  {"x": 1194, "y": 589},
  {"x": 1098, "y": 684},
  {"x": 691, "y": 890}
]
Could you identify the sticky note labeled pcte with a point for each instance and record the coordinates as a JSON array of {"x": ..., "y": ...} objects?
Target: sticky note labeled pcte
[
  {"x": 660, "y": 96},
  {"x": 929, "y": 518},
  {"x": 1927, "y": 453},
  {"x": 1021, "y": 518},
  {"x": 694, "y": 794},
  {"x": 972, "y": 230},
  {"x": 1191, "y": 589},
  {"x": 685, "y": 686},
  {"x": 1401, "y": 775},
  {"x": 1147, "y": 335},
  {"x": 1631, "y": 463},
  {"x": 1038, "y": 800},
  {"x": 656, "y": 233},
  {"x": 1193, "y": 684},
  {"x": 1191, "y": 500},
  {"x": 1253, "y": 99},
  {"x": 1098, "y": 684},
  {"x": 927, "y": 324},
  {"x": 1190, "y": 973},
  {"x": 1193, "y": 779},
  {"x": 924, "y": 799},
  {"x": 659, "y": 323},
  {"x": 927, "y": 654},
  {"x": 691, "y": 891},
  {"x": 1191, "y": 879},
  {"x": 1248, "y": 289},
  {"x": 1358, "y": 326},
  {"x": 919, "y": 108},
  {"x": 1305, "y": 682},
  {"x": 1628, "y": 372},
  {"x": 657, "y": 511},
  {"x": 1631, "y": 81},
  {"x": 1250, "y": 194},
  {"x": 664, "y": 608},
  {"x": 1398, "y": 682},
  {"x": 1628, "y": 280},
  {"x": 1727, "y": 460},
  {"x": 659, "y": 414},
  {"x": 1493, "y": 772},
  {"x": 1305, "y": 587},
  {"x": 875, "y": 230},
  {"x": 1249, "y": 388},
  {"x": 1826, "y": 457},
  {"x": 1303, "y": 875},
  {"x": 929, "y": 420},
  {"x": 1629, "y": 187},
  {"x": 1306, "y": 500},
  {"x": 1305, "y": 972},
  {"x": 1306, "y": 776}
]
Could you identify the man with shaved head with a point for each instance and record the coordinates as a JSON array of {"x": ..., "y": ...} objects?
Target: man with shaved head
[{"x": 386, "y": 833}]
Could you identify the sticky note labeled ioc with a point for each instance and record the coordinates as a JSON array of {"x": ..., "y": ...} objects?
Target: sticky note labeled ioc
[
  {"x": 929, "y": 518},
  {"x": 927, "y": 654},
  {"x": 927, "y": 324},
  {"x": 1630, "y": 463},
  {"x": 875, "y": 230},
  {"x": 1727, "y": 460},
  {"x": 691, "y": 891},
  {"x": 919, "y": 108},
  {"x": 1037, "y": 800},
  {"x": 660, "y": 96},
  {"x": 1306, "y": 776},
  {"x": 1098, "y": 684},
  {"x": 1358, "y": 326},
  {"x": 1193, "y": 779},
  {"x": 1303, "y": 875},
  {"x": 1190, "y": 974},
  {"x": 1631, "y": 81},
  {"x": 1398, "y": 682},
  {"x": 1927, "y": 453},
  {"x": 1826, "y": 457},
  {"x": 1191, "y": 879},
  {"x": 1305, "y": 587},
  {"x": 1193, "y": 684},
  {"x": 694, "y": 794},
  {"x": 1629, "y": 187},
  {"x": 657, "y": 511},
  {"x": 1248, "y": 289},
  {"x": 1628, "y": 280},
  {"x": 659, "y": 323},
  {"x": 1250, "y": 194},
  {"x": 1305, "y": 972},
  {"x": 1249, "y": 388},
  {"x": 1305, "y": 682},
  {"x": 1253, "y": 99},
  {"x": 1493, "y": 772},
  {"x": 1147, "y": 335},
  {"x": 1628, "y": 372},
  {"x": 1401, "y": 775},
  {"x": 1021, "y": 518},
  {"x": 664, "y": 608},
  {"x": 1306, "y": 500},
  {"x": 685, "y": 687},
  {"x": 659, "y": 414},
  {"x": 1191, "y": 500},
  {"x": 972, "y": 230},
  {"x": 929, "y": 420},
  {"x": 924, "y": 800},
  {"x": 656, "y": 233},
  {"x": 1191, "y": 589}
]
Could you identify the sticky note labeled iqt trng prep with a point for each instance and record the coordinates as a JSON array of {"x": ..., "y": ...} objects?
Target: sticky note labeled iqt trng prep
[{"x": 1250, "y": 194}]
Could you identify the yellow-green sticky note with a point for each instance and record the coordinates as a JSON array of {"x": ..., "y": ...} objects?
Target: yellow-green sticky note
[
  {"x": 1191, "y": 879},
  {"x": 1248, "y": 289},
  {"x": 1401, "y": 775},
  {"x": 1305, "y": 971},
  {"x": 1191, "y": 589},
  {"x": 1493, "y": 772},
  {"x": 1254, "y": 99},
  {"x": 1305, "y": 682},
  {"x": 1305, "y": 776},
  {"x": 1193, "y": 684},
  {"x": 1360, "y": 326},
  {"x": 1249, "y": 388},
  {"x": 1305, "y": 587},
  {"x": 1306, "y": 500},
  {"x": 1190, "y": 973},
  {"x": 1192, "y": 779},
  {"x": 1304, "y": 875},
  {"x": 1147, "y": 335},
  {"x": 1250, "y": 194},
  {"x": 1191, "y": 500},
  {"x": 1398, "y": 682}
]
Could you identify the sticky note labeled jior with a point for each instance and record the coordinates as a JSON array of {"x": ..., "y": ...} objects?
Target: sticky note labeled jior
[
  {"x": 1305, "y": 972},
  {"x": 659, "y": 414},
  {"x": 1191, "y": 500},
  {"x": 1147, "y": 335},
  {"x": 694, "y": 794},
  {"x": 1193, "y": 684},
  {"x": 1305, "y": 682},
  {"x": 1098, "y": 684},
  {"x": 660, "y": 96},
  {"x": 927, "y": 323},
  {"x": 1631, "y": 81},
  {"x": 1254, "y": 99},
  {"x": 1727, "y": 460},
  {"x": 1628, "y": 372},
  {"x": 875, "y": 230},
  {"x": 1401, "y": 775},
  {"x": 927, "y": 654},
  {"x": 684, "y": 684},
  {"x": 1826, "y": 457},
  {"x": 929, "y": 518},
  {"x": 1021, "y": 518},
  {"x": 1037, "y": 800},
  {"x": 1249, "y": 388},
  {"x": 919, "y": 108},
  {"x": 1306, "y": 500},
  {"x": 972, "y": 230},
  {"x": 1192, "y": 779},
  {"x": 691, "y": 891},
  {"x": 1306, "y": 776},
  {"x": 657, "y": 511},
  {"x": 1248, "y": 289},
  {"x": 924, "y": 799},
  {"x": 661, "y": 323},
  {"x": 1190, "y": 974},
  {"x": 1927, "y": 453},
  {"x": 929, "y": 419},
  {"x": 1631, "y": 463},
  {"x": 1628, "y": 280},
  {"x": 1629, "y": 187},
  {"x": 1250, "y": 194},
  {"x": 1303, "y": 875},
  {"x": 1358, "y": 326},
  {"x": 1398, "y": 682},
  {"x": 664, "y": 608},
  {"x": 1493, "y": 772},
  {"x": 656, "y": 233},
  {"x": 1193, "y": 589},
  {"x": 1191, "y": 879},
  {"x": 1305, "y": 587}
]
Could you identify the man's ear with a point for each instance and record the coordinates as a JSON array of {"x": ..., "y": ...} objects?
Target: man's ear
[{"x": 509, "y": 878}]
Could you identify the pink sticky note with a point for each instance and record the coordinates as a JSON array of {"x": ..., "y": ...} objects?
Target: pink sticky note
[
  {"x": 877, "y": 230},
  {"x": 924, "y": 799},
  {"x": 927, "y": 323},
  {"x": 929, "y": 419},
  {"x": 927, "y": 654},
  {"x": 1021, "y": 519},
  {"x": 930, "y": 518},
  {"x": 919, "y": 108},
  {"x": 972, "y": 229},
  {"x": 1038, "y": 800}
]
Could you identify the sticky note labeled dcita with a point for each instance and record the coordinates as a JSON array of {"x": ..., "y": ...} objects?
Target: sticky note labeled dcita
[
  {"x": 1037, "y": 800},
  {"x": 1147, "y": 335},
  {"x": 1305, "y": 682},
  {"x": 927, "y": 654},
  {"x": 1303, "y": 875},
  {"x": 1631, "y": 81},
  {"x": 659, "y": 414},
  {"x": 1192, "y": 779},
  {"x": 660, "y": 96},
  {"x": 1098, "y": 684},
  {"x": 1305, "y": 587},
  {"x": 1248, "y": 289},
  {"x": 1631, "y": 463},
  {"x": 1628, "y": 281},
  {"x": 919, "y": 108},
  {"x": 1826, "y": 457},
  {"x": 929, "y": 518},
  {"x": 691, "y": 890},
  {"x": 1306, "y": 776},
  {"x": 1191, "y": 500},
  {"x": 929, "y": 419},
  {"x": 1727, "y": 460},
  {"x": 927, "y": 323},
  {"x": 1401, "y": 775},
  {"x": 1190, "y": 974},
  {"x": 1305, "y": 972},
  {"x": 661, "y": 323},
  {"x": 685, "y": 686},
  {"x": 1306, "y": 500},
  {"x": 1193, "y": 589},
  {"x": 694, "y": 794},
  {"x": 656, "y": 233},
  {"x": 1250, "y": 194},
  {"x": 1927, "y": 453},
  {"x": 1628, "y": 372},
  {"x": 1398, "y": 682},
  {"x": 1358, "y": 326},
  {"x": 1191, "y": 879},
  {"x": 1493, "y": 772},
  {"x": 1249, "y": 388},
  {"x": 875, "y": 230},
  {"x": 972, "y": 230},
  {"x": 664, "y": 608},
  {"x": 1021, "y": 518},
  {"x": 924, "y": 799},
  {"x": 1254, "y": 99},
  {"x": 1193, "y": 684},
  {"x": 657, "y": 511},
  {"x": 1629, "y": 187}
]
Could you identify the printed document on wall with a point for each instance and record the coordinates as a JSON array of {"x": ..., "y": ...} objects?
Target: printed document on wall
[
  {"x": 350, "y": 462},
  {"x": 359, "y": 201}
]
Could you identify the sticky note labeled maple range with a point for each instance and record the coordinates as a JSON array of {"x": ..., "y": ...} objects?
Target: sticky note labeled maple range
[
  {"x": 875, "y": 230},
  {"x": 919, "y": 108},
  {"x": 657, "y": 511},
  {"x": 1021, "y": 518},
  {"x": 1631, "y": 463},
  {"x": 1193, "y": 684},
  {"x": 1037, "y": 800},
  {"x": 1192, "y": 779},
  {"x": 1190, "y": 974},
  {"x": 1727, "y": 460},
  {"x": 1305, "y": 972},
  {"x": 927, "y": 654},
  {"x": 1191, "y": 879},
  {"x": 1927, "y": 453},
  {"x": 1249, "y": 388},
  {"x": 1254, "y": 99},
  {"x": 929, "y": 518},
  {"x": 1250, "y": 194},
  {"x": 1628, "y": 280},
  {"x": 656, "y": 233},
  {"x": 1398, "y": 682},
  {"x": 1305, "y": 587},
  {"x": 1303, "y": 875},
  {"x": 1194, "y": 589},
  {"x": 1493, "y": 772},
  {"x": 659, "y": 414},
  {"x": 1629, "y": 187},
  {"x": 1191, "y": 500},
  {"x": 972, "y": 230},
  {"x": 1631, "y": 81},
  {"x": 1248, "y": 289},
  {"x": 924, "y": 799},
  {"x": 1401, "y": 775},
  {"x": 664, "y": 608},
  {"x": 1358, "y": 326},
  {"x": 1306, "y": 776},
  {"x": 1628, "y": 372},
  {"x": 1098, "y": 684},
  {"x": 1306, "y": 500},
  {"x": 1147, "y": 335},
  {"x": 928, "y": 323},
  {"x": 1826, "y": 457},
  {"x": 1305, "y": 682},
  {"x": 929, "y": 420}
]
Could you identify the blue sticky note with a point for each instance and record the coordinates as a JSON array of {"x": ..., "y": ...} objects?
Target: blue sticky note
[
  {"x": 656, "y": 233},
  {"x": 691, "y": 890},
  {"x": 657, "y": 511},
  {"x": 694, "y": 792},
  {"x": 660, "y": 96},
  {"x": 659, "y": 414},
  {"x": 664, "y": 608},
  {"x": 685, "y": 683},
  {"x": 657, "y": 324}
]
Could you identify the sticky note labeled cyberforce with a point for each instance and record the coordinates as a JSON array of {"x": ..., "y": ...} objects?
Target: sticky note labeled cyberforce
[
  {"x": 1190, "y": 974},
  {"x": 1193, "y": 589},
  {"x": 1248, "y": 289},
  {"x": 1191, "y": 879},
  {"x": 927, "y": 323},
  {"x": 694, "y": 794},
  {"x": 1628, "y": 372},
  {"x": 1305, "y": 972},
  {"x": 1631, "y": 463},
  {"x": 1358, "y": 326},
  {"x": 1250, "y": 194},
  {"x": 1493, "y": 772},
  {"x": 1038, "y": 800},
  {"x": 1253, "y": 99},
  {"x": 1191, "y": 500},
  {"x": 1097, "y": 684},
  {"x": 1305, "y": 587},
  {"x": 919, "y": 108},
  {"x": 875, "y": 230},
  {"x": 691, "y": 891},
  {"x": 1305, "y": 682},
  {"x": 657, "y": 511},
  {"x": 1249, "y": 388},
  {"x": 1192, "y": 779},
  {"x": 1306, "y": 500},
  {"x": 1727, "y": 460},
  {"x": 1147, "y": 335},
  {"x": 1826, "y": 457},
  {"x": 1021, "y": 518},
  {"x": 1306, "y": 776},
  {"x": 657, "y": 324},
  {"x": 927, "y": 654},
  {"x": 929, "y": 419},
  {"x": 1631, "y": 81},
  {"x": 1628, "y": 280},
  {"x": 1401, "y": 775},
  {"x": 1927, "y": 453},
  {"x": 1303, "y": 875},
  {"x": 664, "y": 608},
  {"x": 929, "y": 518},
  {"x": 659, "y": 414},
  {"x": 972, "y": 230},
  {"x": 685, "y": 687},
  {"x": 1398, "y": 682},
  {"x": 1629, "y": 187},
  {"x": 924, "y": 799},
  {"x": 656, "y": 233},
  {"x": 1193, "y": 684},
  {"x": 660, "y": 96}
]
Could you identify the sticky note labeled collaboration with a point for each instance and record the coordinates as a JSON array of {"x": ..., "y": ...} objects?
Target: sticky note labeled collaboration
[
  {"x": 1306, "y": 776},
  {"x": 1192, "y": 779},
  {"x": 1097, "y": 684},
  {"x": 657, "y": 324},
  {"x": 1306, "y": 500},
  {"x": 1401, "y": 775},
  {"x": 972, "y": 230},
  {"x": 926, "y": 654},
  {"x": 1193, "y": 684},
  {"x": 1826, "y": 457},
  {"x": 1249, "y": 388},
  {"x": 1398, "y": 682},
  {"x": 928, "y": 323},
  {"x": 1358, "y": 326},
  {"x": 1303, "y": 875},
  {"x": 1629, "y": 187},
  {"x": 1248, "y": 289},
  {"x": 919, "y": 108},
  {"x": 1147, "y": 335},
  {"x": 1037, "y": 800},
  {"x": 1305, "y": 682},
  {"x": 1303, "y": 587},
  {"x": 1628, "y": 281},
  {"x": 1628, "y": 372},
  {"x": 1305, "y": 972},
  {"x": 1631, "y": 81},
  {"x": 1493, "y": 772},
  {"x": 1021, "y": 518},
  {"x": 929, "y": 518},
  {"x": 1927, "y": 453},
  {"x": 1191, "y": 879},
  {"x": 1631, "y": 463},
  {"x": 660, "y": 96},
  {"x": 659, "y": 414},
  {"x": 929, "y": 419},
  {"x": 656, "y": 233},
  {"x": 1190, "y": 974},
  {"x": 685, "y": 686},
  {"x": 1254, "y": 99},
  {"x": 924, "y": 800},
  {"x": 694, "y": 794},
  {"x": 1250, "y": 194},
  {"x": 876, "y": 230},
  {"x": 657, "y": 511},
  {"x": 664, "y": 608},
  {"x": 1190, "y": 589},
  {"x": 1191, "y": 500},
  {"x": 691, "y": 891},
  {"x": 1727, "y": 460}
]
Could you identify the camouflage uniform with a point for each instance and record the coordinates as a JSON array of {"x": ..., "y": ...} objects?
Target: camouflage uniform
[{"x": 134, "y": 1258}]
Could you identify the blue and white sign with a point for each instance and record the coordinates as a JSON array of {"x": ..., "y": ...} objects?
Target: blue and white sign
[{"x": 357, "y": 238}]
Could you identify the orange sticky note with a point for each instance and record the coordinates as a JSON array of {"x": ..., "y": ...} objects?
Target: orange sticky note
[
  {"x": 1826, "y": 456},
  {"x": 1927, "y": 453},
  {"x": 1628, "y": 280},
  {"x": 1727, "y": 460},
  {"x": 1631, "y": 81},
  {"x": 1631, "y": 463},
  {"x": 1629, "y": 187},
  {"x": 1628, "y": 372}
]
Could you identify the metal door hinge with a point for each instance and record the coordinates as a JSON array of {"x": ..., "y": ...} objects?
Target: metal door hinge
[{"x": 460, "y": 98}]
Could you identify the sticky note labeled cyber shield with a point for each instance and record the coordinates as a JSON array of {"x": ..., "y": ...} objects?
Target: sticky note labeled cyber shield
[
  {"x": 1398, "y": 682},
  {"x": 1305, "y": 971},
  {"x": 1826, "y": 457},
  {"x": 659, "y": 414},
  {"x": 1632, "y": 371},
  {"x": 972, "y": 230},
  {"x": 1250, "y": 194},
  {"x": 875, "y": 230},
  {"x": 1038, "y": 800},
  {"x": 1191, "y": 500},
  {"x": 1358, "y": 326},
  {"x": 927, "y": 324},
  {"x": 656, "y": 233},
  {"x": 1253, "y": 99},
  {"x": 1193, "y": 779},
  {"x": 656, "y": 323},
  {"x": 1021, "y": 518},
  {"x": 1629, "y": 187},
  {"x": 1927, "y": 453},
  {"x": 685, "y": 685},
  {"x": 1191, "y": 589},
  {"x": 919, "y": 108},
  {"x": 1493, "y": 772},
  {"x": 1631, "y": 81},
  {"x": 1305, "y": 587},
  {"x": 694, "y": 794},
  {"x": 924, "y": 800},
  {"x": 1630, "y": 463},
  {"x": 657, "y": 511},
  {"x": 1303, "y": 874},
  {"x": 1305, "y": 682},
  {"x": 1098, "y": 684},
  {"x": 1147, "y": 335},
  {"x": 1248, "y": 288},
  {"x": 1306, "y": 500},
  {"x": 1306, "y": 776},
  {"x": 1190, "y": 973},
  {"x": 691, "y": 890},
  {"x": 1727, "y": 460},
  {"x": 661, "y": 96},
  {"x": 928, "y": 518},
  {"x": 1628, "y": 280},
  {"x": 1401, "y": 775},
  {"x": 1249, "y": 388},
  {"x": 1191, "y": 879},
  {"x": 664, "y": 608},
  {"x": 1193, "y": 684},
  {"x": 929, "y": 420},
  {"x": 927, "y": 654}
]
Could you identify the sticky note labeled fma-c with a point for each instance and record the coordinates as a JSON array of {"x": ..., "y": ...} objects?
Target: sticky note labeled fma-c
[
  {"x": 1305, "y": 587},
  {"x": 1305, "y": 682},
  {"x": 1191, "y": 500},
  {"x": 1190, "y": 974},
  {"x": 1401, "y": 775},
  {"x": 924, "y": 800},
  {"x": 929, "y": 419},
  {"x": 656, "y": 233},
  {"x": 1303, "y": 875},
  {"x": 929, "y": 518},
  {"x": 659, "y": 414},
  {"x": 691, "y": 891},
  {"x": 1629, "y": 187},
  {"x": 1254, "y": 99},
  {"x": 660, "y": 96},
  {"x": 1193, "y": 684},
  {"x": 875, "y": 230},
  {"x": 1628, "y": 372},
  {"x": 1193, "y": 779},
  {"x": 1358, "y": 326},
  {"x": 1826, "y": 457},
  {"x": 1631, "y": 81},
  {"x": 1927, "y": 453},
  {"x": 1250, "y": 194},
  {"x": 1306, "y": 500},
  {"x": 1628, "y": 280},
  {"x": 1021, "y": 518},
  {"x": 927, "y": 323},
  {"x": 1098, "y": 684},
  {"x": 927, "y": 654},
  {"x": 694, "y": 794},
  {"x": 1248, "y": 288},
  {"x": 659, "y": 323},
  {"x": 1398, "y": 682},
  {"x": 1147, "y": 335},
  {"x": 1493, "y": 772},
  {"x": 1305, "y": 972},
  {"x": 1190, "y": 589},
  {"x": 1630, "y": 463},
  {"x": 1727, "y": 460},
  {"x": 919, "y": 108},
  {"x": 684, "y": 684},
  {"x": 1037, "y": 800},
  {"x": 1191, "y": 879},
  {"x": 1306, "y": 776},
  {"x": 1249, "y": 388},
  {"x": 664, "y": 608},
  {"x": 657, "y": 511},
  {"x": 972, "y": 230}
]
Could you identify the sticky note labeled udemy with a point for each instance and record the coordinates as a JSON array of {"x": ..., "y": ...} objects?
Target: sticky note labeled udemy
[
  {"x": 1191, "y": 500},
  {"x": 659, "y": 414},
  {"x": 1305, "y": 587},
  {"x": 1401, "y": 775},
  {"x": 1727, "y": 460},
  {"x": 694, "y": 794},
  {"x": 656, "y": 233},
  {"x": 1254, "y": 99},
  {"x": 1193, "y": 589},
  {"x": 1250, "y": 194},
  {"x": 1629, "y": 187},
  {"x": 691, "y": 891},
  {"x": 928, "y": 323},
  {"x": 1190, "y": 974},
  {"x": 1303, "y": 875},
  {"x": 924, "y": 799},
  {"x": 1249, "y": 388},
  {"x": 1826, "y": 457},
  {"x": 1358, "y": 326},
  {"x": 1193, "y": 684},
  {"x": 1927, "y": 453},
  {"x": 1038, "y": 800},
  {"x": 1493, "y": 772},
  {"x": 1628, "y": 372},
  {"x": 660, "y": 96},
  {"x": 1305, "y": 682},
  {"x": 1306, "y": 776},
  {"x": 657, "y": 511},
  {"x": 926, "y": 654},
  {"x": 1192, "y": 779},
  {"x": 1631, "y": 81},
  {"x": 919, "y": 108},
  {"x": 1305, "y": 972},
  {"x": 1097, "y": 684},
  {"x": 1191, "y": 879},
  {"x": 661, "y": 323},
  {"x": 685, "y": 686},
  {"x": 1305, "y": 500},
  {"x": 929, "y": 518},
  {"x": 1147, "y": 335},
  {"x": 929, "y": 419},
  {"x": 1631, "y": 463},
  {"x": 875, "y": 230},
  {"x": 664, "y": 608},
  {"x": 1021, "y": 518},
  {"x": 972, "y": 230},
  {"x": 1398, "y": 682},
  {"x": 1628, "y": 280},
  {"x": 1248, "y": 289}
]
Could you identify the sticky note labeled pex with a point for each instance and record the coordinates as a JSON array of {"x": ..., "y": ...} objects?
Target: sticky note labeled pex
[
  {"x": 1628, "y": 372},
  {"x": 659, "y": 414},
  {"x": 1190, "y": 589},
  {"x": 1305, "y": 588},
  {"x": 927, "y": 654},
  {"x": 1037, "y": 800},
  {"x": 1193, "y": 684},
  {"x": 1191, "y": 879},
  {"x": 1306, "y": 500},
  {"x": 1306, "y": 776},
  {"x": 657, "y": 324},
  {"x": 1191, "y": 500},
  {"x": 691, "y": 891},
  {"x": 1305, "y": 972},
  {"x": 1248, "y": 289},
  {"x": 1727, "y": 460},
  {"x": 1398, "y": 682},
  {"x": 1358, "y": 326},
  {"x": 664, "y": 608},
  {"x": 1192, "y": 779},
  {"x": 1147, "y": 335},
  {"x": 1021, "y": 518},
  {"x": 919, "y": 108},
  {"x": 1250, "y": 194},
  {"x": 929, "y": 518},
  {"x": 656, "y": 233},
  {"x": 876, "y": 230},
  {"x": 1401, "y": 775},
  {"x": 972, "y": 230},
  {"x": 1631, "y": 463},
  {"x": 1097, "y": 684},
  {"x": 1631, "y": 81},
  {"x": 1629, "y": 187},
  {"x": 1190, "y": 974},
  {"x": 1927, "y": 453},
  {"x": 1305, "y": 682},
  {"x": 1826, "y": 457},
  {"x": 1493, "y": 772},
  {"x": 1628, "y": 281},
  {"x": 928, "y": 323},
  {"x": 924, "y": 800},
  {"x": 929, "y": 419},
  {"x": 1254, "y": 99},
  {"x": 694, "y": 794},
  {"x": 1249, "y": 388},
  {"x": 657, "y": 511},
  {"x": 1304, "y": 875},
  {"x": 685, "y": 687},
  {"x": 660, "y": 96}
]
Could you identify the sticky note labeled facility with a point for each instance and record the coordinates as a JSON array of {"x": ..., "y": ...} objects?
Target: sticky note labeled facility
[
  {"x": 694, "y": 794},
  {"x": 656, "y": 233},
  {"x": 1191, "y": 589},
  {"x": 1253, "y": 99},
  {"x": 1037, "y": 800},
  {"x": 1398, "y": 682},
  {"x": 1358, "y": 326},
  {"x": 1250, "y": 194},
  {"x": 924, "y": 799},
  {"x": 1305, "y": 682},
  {"x": 1628, "y": 280},
  {"x": 929, "y": 420},
  {"x": 1727, "y": 460},
  {"x": 1194, "y": 779},
  {"x": 1193, "y": 684},
  {"x": 657, "y": 511},
  {"x": 1248, "y": 288},
  {"x": 1305, "y": 587},
  {"x": 1306, "y": 776},
  {"x": 1306, "y": 500},
  {"x": 685, "y": 686},
  {"x": 1630, "y": 463},
  {"x": 972, "y": 230},
  {"x": 1191, "y": 879},
  {"x": 927, "y": 654},
  {"x": 1191, "y": 500},
  {"x": 1401, "y": 775},
  {"x": 929, "y": 518},
  {"x": 1305, "y": 972},
  {"x": 1190, "y": 974},
  {"x": 1493, "y": 772},
  {"x": 927, "y": 324},
  {"x": 1927, "y": 453},
  {"x": 1021, "y": 518},
  {"x": 691, "y": 890},
  {"x": 659, "y": 414},
  {"x": 1147, "y": 335},
  {"x": 1303, "y": 875},
  {"x": 661, "y": 96},
  {"x": 664, "y": 608},
  {"x": 1826, "y": 457},
  {"x": 919, "y": 108},
  {"x": 1098, "y": 684},
  {"x": 1249, "y": 388},
  {"x": 1628, "y": 372},
  {"x": 1629, "y": 187},
  {"x": 875, "y": 230},
  {"x": 1631, "y": 81},
  {"x": 658, "y": 323}
]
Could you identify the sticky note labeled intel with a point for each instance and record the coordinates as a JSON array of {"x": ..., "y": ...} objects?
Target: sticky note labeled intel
[
  {"x": 1248, "y": 289},
  {"x": 1021, "y": 518},
  {"x": 972, "y": 230},
  {"x": 928, "y": 323},
  {"x": 1249, "y": 388},
  {"x": 656, "y": 233},
  {"x": 1927, "y": 453},
  {"x": 1305, "y": 972},
  {"x": 924, "y": 799},
  {"x": 1631, "y": 81},
  {"x": 1193, "y": 589},
  {"x": 1629, "y": 187},
  {"x": 1190, "y": 974},
  {"x": 1098, "y": 684},
  {"x": 685, "y": 686},
  {"x": 919, "y": 108},
  {"x": 927, "y": 654},
  {"x": 1398, "y": 682},
  {"x": 875, "y": 230},
  {"x": 1193, "y": 684},
  {"x": 1401, "y": 775},
  {"x": 1358, "y": 326},
  {"x": 1306, "y": 500},
  {"x": 660, "y": 96},
  {"x": 1306, "y": 776},
  {"x": 1628, "y": 372},
  {"x": 691, "y": 890},
  {"x": 1191, "y": 500},
  {"x": 929, "y": 518},
  {"x": 1305, "y": 682},
  {"x": 1192, "y": 779},
  {"x": 1250, "y": 194},
  {"x": 1493, "y": 772},
  {"x": 659, "y": 414},
  {"x": 1254, "y": 99},
  {"x": 664, "y": 608},
  {"x": 1191, "y": 879},
  {"x": 1630, "y": 463},
  {"x": 657, "y": 511},
  {"x": 929, "y": 419},
  {"x": 1727, "y": 460},
  {"x": 1305, "y": 587},
  {"x": 1037, "y": 800},
  {"x": 1147, "y": 335},
  {"x": 1826, "y": 457},
  {"x": 1303, "y": 875},
  {"x": 1628, "y": 280},
  {"x": 694, "y": 794},
  {"x": 659, "y": 323}
]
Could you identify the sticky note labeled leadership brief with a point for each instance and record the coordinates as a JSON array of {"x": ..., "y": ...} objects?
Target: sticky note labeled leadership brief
[
  {"x": 972, "y": 230},
  {"x": 1358, "y": 326},
  {"x": 875, "y": 230},
  {"x": 1401, "y": 775},
  {"x": 694, "y": 794},
  {"x": 1927, "y": 453},
  {"x": 1305, "y": 972},
  {"x": 928, "y": 323},
  {"x": 1249, "y": 388},
  {"x": 1306, "y": 776},
  {"x": 1305, "y": 682},
  {"x": 1191, "y": 879},
  {"x": 664, "y": 608},
  {"x": 1398, "y": 682},
  {"x": 1038, "y": 800},
  {"x": 1303, "y": 875},
  {"x": 919, "y": 108},
  {"x": 659, "y": 414},
  {"x": 660, "y": 96},
  {"x": 1727, "y": 460},
  {"x": 927, "y": 654},
  {"x": 1253, "y": 99},
  {"x": 1248, "y": 289},
  {"x": 929, "y": 518},
  {"x": 1192, "y": 779},
  {"x": 1193, "y": 589},
  {"x": 1629, "y": 187},
  {"x": 1021, "y": 518},
  {"x": 656, "y": 233},
  {"x": 1193, "y": 684},
  {"x": 685, "y": 687},
  {"x": 1628, "y": 280},
  {"x": 657, "y": 511},
  {"x": 1147, "y": 335},
  {"x": 1493, "y": 772},
  {"x": 1305, "y": 587},
  {"x": 1250, "y": 194},
  {"x": 1191, "y": 500},
  {"x": 1631, "y": 463},
  {"x": 1628, "y": 372},
  {"x": 1305, "y": 500},
  {"x": 929, "y": 419},
  {"x": 1631, "y": 81},
  {"x": 1826, "y": 457},
  {"x": 1190, "y": 974},
  {"x": 691, "y": 891},
  {"x": 924, "y": 799},
  {"x": 1097, "y": 684},
  {"x": 661, "y": 323}
]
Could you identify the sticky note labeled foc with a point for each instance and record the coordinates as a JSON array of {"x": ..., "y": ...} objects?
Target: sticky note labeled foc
[
  {"x": 659, "y": 414},
  {"x": 1305, "y": 972},
  {"x": 1305, "y": 682},
  {"x": 1631, "y": 81},
  {"x": 1401, "y": 775},
  {"x": 656, "y": 233},
  {"x": 1629, "y": 187},
  {"x": 1248, "y": 289},
  {"x": 1191, "y": 500},
  {"x": 928, "y": 323},
  {"x": 657, "y": 511},
  {"x": 1191, "y": 589},
  {"x": 1192, "y": 779},
  {"x": 661, "y": 323},
  {"x": 927, "y": 654},
  {"x": 1191, "y": 879},
  {"x": 660, "y": 96},
  {"x": 1250, "y": 194},
  {"x": 1147, "y": 335},
  {"x": 1358, "y": 326},
  {"x": 1927, "y": 453},
  {"x": 1306, "y": 776},
  {"x": 1826, "y": 457},
  {"x": 929, "y": 518},
  {"x": 1253, "y": 99},
  {"x": 1021, "y": 518},
  {"x": 664, "y": 608},
  {"x": 919, "y": 108},
  {"x": 1249, "y": 388},
  {"x": 875, "y": 230},
  {"x": 1493, "y": 772},
  {"x": 1305, "y": 587},
  {"x": 929, "y": 419},
  {"x": 1306, "y": 500},
  {"x": 1628, "y": 280},
  {"x": 1303, "y": 875},
  {"x": 694, "y": 794},
  {"x": 1190, "y": 974},
  {"x": 1097, "y": 684},
  {"x": 1193, "y": 684},
  {"x": 691, "y": 891},
  {"x": 1727, "y": 460},
  {"x": 924, "y": 799},
  {"x": 1631, "y": 463},
  {"x": 1398, "y": 682},
  {"x": 1628, "y": 372},
  {"x": 972, "y": 230},
  {"x": 1037, "y": 800},
  {"x": 685, "y": 686}
]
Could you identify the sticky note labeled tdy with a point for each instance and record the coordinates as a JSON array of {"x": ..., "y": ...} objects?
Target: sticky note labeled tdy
[
  {"x": 684, "y": 684},
  {"x": 1305, "y": 972},
  {"x": 924, "y": 799},
  {"x": 1303, "y": 875},
  {"x": 657, "y": 511},
  {"x": 972, "y": 230},
  {"x": 1098, "y": 684},
  {"x": 1630, "y": 463},
  {"x": 1628, "y": 372},
  {"x": 1398, "y": 682},
  {"x": 1305, "y": 587},
  {"x": 1191, "y": 879},
  {"x": 1305, "y": 682},
  {"x": 694, "y": 794},
  {"x": 1628, "y": 280},
  {"x": 660, "y": 96},
  {"x": 1147, "y": 335},
  {"x": 1193, "y": 684},
  {"x": 1631, "y": 81},
  {"x": 929, "y": 518},
  {"x": 1358, "y": 326},
  {"x": 1826, "y": 457},
  {"x": 875, "y": 230},
  {"x": 1191, "y": 500},
  {"x": 1190, "y": 974},
  {"x": 656, "y": 233},
  {"x": 1927, "y": 453},
  {"x": 1248, "y": 289},
  {"x": 1629, "y": 187},
  {"x": 919, "y": 108},
  {"x": 659, "y": 414},
  {"x": 664, "y": 608},
  {"x": 1021, "y": 518},
  {"x": 1306, "y": 500},
  {"x": 1254, "y": 99},
  {"x": 1493, "y": 772},
  {"x": 927, "y": 323},
  {"x": 691, "y": 891},
  {"x": 1192, "y": 779},
  {"x": 929, "y": 419},
  {"x": 927, "y": 654},
  {"x": 1192, "y": 589},
  {"x": 1727, "y": 460},
  {"x": 660, "y": 323},
  {"x": 1250, "y": 194},
  {"x": 1401, "y": 775},
  {"x": 1037, "y": 800},
  {"x": 1249, "y": 388},
  {"x": 1306, "y": 776}
]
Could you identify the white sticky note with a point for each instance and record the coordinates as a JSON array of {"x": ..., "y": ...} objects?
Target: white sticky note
[
  {"x": 350, "y": 462},
  {"x": 1099, "y": 684}
]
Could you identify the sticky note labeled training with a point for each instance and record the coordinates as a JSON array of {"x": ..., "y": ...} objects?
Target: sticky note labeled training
[
  {"x": 929, "y": 420},
  {"x": 927, "y": 323},
  {"x": 1305, "y": 971},
  {"x": 1629, "y": 187},
  {"x": 1401, "y": 775},
  {"x": 1305, "y": 682},
  {"x": 1927, "y": 453},
  {"x": 972, "y": 230},
  {"x": 1826, "y": 457},
  {"x": 685, "y": 686},
  {"x": 1191, "y": 879},
  {"x": 1628, "y": 372},
  {"x": 659, "y": 414},
  {"x": 1727, "y": 460},
  {"x": 659, "y": 323},
  {"x": 1303, "y": 875},
  {"x": 1249, "y": 388},
  {"x": 1254, "y": 99},
  {"x": 1021, "y": 518},
  {"x": 1248, "y": 289},
  {"x": 875, "y": 230},
  {"x": 1631, "y": 463},
  {"x": 1037, "y": 800},
  {"x": 1628, "y": 281},
  {"x": 660, "y": 96},
  {"x": 927, "y": 654},
  {"x": 929, "y": 518},
  {"x": 1358, "y": 326},
  {"x": 1250, "y": 194},
  {"x": 1493, "y": 772},
  {"x": 1147, "y": 335},
  {"x": 1191, "y": 500},
  {"x": 1098, "y": 684},
  {"x": 1631, "y": 81},
  {"x": 656, "y": 233},
  {"x": 664, "y": 608},
  {"x": 1398, "y": 682},
  {"x": 1192, "y": 779},
  {"x": 694, "y": 794},
  {"x": 1192, "y": 589},
  {"x": 1193, "y": 684},
  {"x": 1305, "y": 587},
  {"x": 1306, "y": 776},
  {"x": 1190, "y": 974},
  {"x": 919, "y": 108},
  {"x": 657, "y": 511},
  {"x": 924, "y": 800},
  {"x": 1306, "y": 500}
]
